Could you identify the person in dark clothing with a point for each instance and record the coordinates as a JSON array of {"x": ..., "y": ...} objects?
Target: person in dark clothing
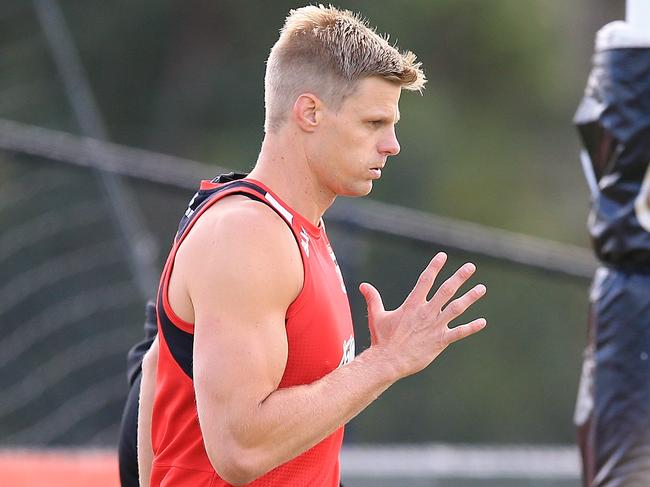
[{"x": 128, "y": 439}]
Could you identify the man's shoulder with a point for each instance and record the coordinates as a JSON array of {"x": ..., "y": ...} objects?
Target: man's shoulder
[
  {"x": 240, "y": 247},
  {"x": 236, "y": 229},
  {"x": 242, "y": 217}
]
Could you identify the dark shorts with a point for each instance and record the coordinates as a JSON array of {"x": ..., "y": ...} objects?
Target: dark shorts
[
  {"x": 613, "y": 407},
  {"x": 128, "y": 442}
]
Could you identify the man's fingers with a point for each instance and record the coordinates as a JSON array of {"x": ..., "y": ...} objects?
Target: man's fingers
[
  {"x": 451, "y": 286},
  {"x": 458, "y": 306},
  {"x": 463, "y": 331},
  {"x": 426, "y": 279}
]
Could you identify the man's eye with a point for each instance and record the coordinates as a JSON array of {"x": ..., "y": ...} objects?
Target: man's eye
[{"x": 376, "y": 123}]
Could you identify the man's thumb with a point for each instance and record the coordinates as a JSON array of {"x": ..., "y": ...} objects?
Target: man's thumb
[{"x": 372, "y": 297}]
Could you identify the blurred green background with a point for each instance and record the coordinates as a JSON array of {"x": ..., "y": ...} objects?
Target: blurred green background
[{"x": 490, "y": 141}]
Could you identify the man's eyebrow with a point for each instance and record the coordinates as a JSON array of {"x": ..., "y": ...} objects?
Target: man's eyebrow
[{"x": 386, "y": 117}]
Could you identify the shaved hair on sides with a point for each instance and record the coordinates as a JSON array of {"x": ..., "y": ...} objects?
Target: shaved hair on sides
[{"x": 326, "y": 51}]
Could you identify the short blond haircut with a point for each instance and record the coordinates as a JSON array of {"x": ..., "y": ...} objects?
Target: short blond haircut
[{"x": 326, "y": 51}]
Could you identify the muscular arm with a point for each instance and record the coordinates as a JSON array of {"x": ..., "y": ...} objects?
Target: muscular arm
[
  {"x": 240, "y": 290},
  {"x": 145, "y": 408}
]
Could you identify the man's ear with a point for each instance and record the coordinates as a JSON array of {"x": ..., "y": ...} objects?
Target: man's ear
[{"x": 307, "y": 111}]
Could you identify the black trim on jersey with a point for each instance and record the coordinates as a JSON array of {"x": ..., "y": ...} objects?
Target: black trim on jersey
[
  {"x": 230, "y": 177},
  {"x": 251, "y": 196},
  {"x": 249, "y": 185},
  {"x": 179, "y": 342},
  {"x": 202, "y": 196}
]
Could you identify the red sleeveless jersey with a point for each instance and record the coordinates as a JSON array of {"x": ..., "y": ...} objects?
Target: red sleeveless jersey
[{"x": 320, "y": 339}]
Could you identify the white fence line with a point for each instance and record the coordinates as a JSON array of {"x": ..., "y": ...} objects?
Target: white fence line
[{"x": 435, "y": 460}]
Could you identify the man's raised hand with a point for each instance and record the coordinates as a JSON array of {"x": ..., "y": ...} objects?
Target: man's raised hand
[{"x": 414, "y": 334}]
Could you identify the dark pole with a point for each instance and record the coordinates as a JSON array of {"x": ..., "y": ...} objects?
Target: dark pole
[{"x": 138, "y": 244}]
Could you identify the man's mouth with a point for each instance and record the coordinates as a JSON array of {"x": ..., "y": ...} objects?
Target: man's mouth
[{"x": 376, "y": 171}]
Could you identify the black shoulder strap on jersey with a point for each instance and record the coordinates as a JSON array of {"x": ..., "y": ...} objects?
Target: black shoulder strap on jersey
[{"x": 202, "y": 196}]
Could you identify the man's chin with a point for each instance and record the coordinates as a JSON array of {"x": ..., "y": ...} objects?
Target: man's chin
[{"x": 359, "y": 191}]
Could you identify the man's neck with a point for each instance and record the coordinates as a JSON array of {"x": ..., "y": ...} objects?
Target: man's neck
[{"x": 283, "y": 166}]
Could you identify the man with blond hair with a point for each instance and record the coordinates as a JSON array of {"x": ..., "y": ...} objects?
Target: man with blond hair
[{"x": 253, "y": 374}]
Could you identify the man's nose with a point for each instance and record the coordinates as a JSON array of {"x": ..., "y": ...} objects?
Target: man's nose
[{"x": 390, "y": 145}]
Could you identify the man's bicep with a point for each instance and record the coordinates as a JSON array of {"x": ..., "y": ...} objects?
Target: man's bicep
[{"x": 238, "y": 351}]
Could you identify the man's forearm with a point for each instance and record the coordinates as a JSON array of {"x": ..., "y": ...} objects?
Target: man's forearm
[{"x": 292, "y": 420}]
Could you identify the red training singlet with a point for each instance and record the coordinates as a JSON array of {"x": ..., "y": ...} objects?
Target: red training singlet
[{"x": 319, "y": 335}]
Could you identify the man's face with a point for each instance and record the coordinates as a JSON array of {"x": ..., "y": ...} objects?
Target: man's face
[{"x": 352, "y": 144}]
